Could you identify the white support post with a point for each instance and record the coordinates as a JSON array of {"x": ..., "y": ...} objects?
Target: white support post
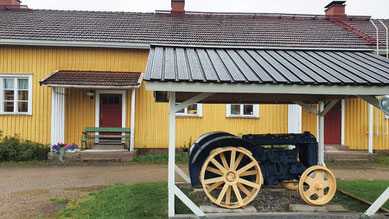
[
  {"x": 321, "y": 133},
  {"x": 343, "y": 121},
  {"x": 370, "y": 129},
  {"x": 172, "y": 152},
  {"x": 172, "y": 188},
  {"x": 188, "y": 202},
  {"x": 182, "y": 174},
  {"x": 132, "y": 137},
  {"x": 57, "y": 115},
  {"x": 378, "y": 203}
]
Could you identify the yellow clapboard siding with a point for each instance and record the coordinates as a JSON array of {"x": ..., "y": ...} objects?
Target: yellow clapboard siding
[
  {"x": 309, "y": 121},
  {"x": 43, "y": 61},
  {"x": 151, "y": 118},
  {"x": 357, "y": 126},
  {"x": 152, "y": 122}
]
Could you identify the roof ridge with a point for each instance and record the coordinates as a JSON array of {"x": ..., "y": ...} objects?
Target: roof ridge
[{"x": 91, "y": 11}]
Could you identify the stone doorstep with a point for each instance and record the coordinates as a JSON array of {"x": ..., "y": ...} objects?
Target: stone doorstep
[
  {"x": 108, "y": 147},
  {"x": 95, "y": 156}
]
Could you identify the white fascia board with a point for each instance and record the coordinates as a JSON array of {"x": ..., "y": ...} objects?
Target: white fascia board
[
  {"x": 264, "y": 47},
  {"x": 266, "y": 88},
  {"x": 87, "y": 86},
  {"x": 74, "y": 44}
]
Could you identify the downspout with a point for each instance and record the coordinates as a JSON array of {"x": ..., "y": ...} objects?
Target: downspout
[
  {"x": 386, "y": 39},
  {"x": 371, "y": 106}
]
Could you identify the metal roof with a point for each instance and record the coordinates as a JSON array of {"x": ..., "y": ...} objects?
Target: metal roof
[
  {"x": 266, "y": 66},
  {"x": 93, "y": 79}
]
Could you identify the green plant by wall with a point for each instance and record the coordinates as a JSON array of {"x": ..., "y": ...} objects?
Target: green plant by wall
[{"x": 15, "y": 149}]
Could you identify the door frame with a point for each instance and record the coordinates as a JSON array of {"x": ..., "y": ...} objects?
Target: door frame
[{"x": 97, "y": 114}]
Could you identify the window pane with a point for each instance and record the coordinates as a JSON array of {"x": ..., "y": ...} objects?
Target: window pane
[
  {"x": 110, "y": 100},
  {"x": 23, "y": 95},
  {"x": 248, "y": 110},
  {"x": 235, "y": 109},
  {"x": 9, "y": 95},
  {"x": 22, "y": 83},
  {"x": 8, "y": 106},
  {"x": 9, "y": 83},
  {"x": 192, "y": 109},
  {"x": 22, "y": 107},
  {"x": 116, "y": 101}
]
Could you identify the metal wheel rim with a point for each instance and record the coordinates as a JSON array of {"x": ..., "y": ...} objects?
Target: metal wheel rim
[
  {"x": 230, "y": 177},
  {"x": 313, "y": 184}
]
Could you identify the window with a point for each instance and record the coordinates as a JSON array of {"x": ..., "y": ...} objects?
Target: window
[
  {"x": 242, "y": 110},
  {"x": 194, "y": 110},
  {"x": 15, "y": 94}
]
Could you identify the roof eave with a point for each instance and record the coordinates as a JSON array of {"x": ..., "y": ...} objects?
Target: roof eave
[
  {"x": 90, "y": 86},
  {"x": 18, "y": 42},
  {"x": 267, "y": 88}
]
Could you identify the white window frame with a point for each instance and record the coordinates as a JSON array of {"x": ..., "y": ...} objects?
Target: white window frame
[
  {"x": 16, "y": 77},
  {"x": 254, "y": 116},
  {"x": 185, "y": 113}
]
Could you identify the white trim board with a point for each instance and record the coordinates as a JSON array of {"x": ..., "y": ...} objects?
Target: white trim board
[
  {"x": 74, "y": 44},
  {"x": 266, "y": 88}
]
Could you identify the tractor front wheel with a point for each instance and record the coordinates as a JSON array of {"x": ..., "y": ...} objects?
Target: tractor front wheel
[{"x": 317, "y": 185}]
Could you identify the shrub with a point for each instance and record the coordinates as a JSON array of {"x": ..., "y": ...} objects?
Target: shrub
[{"x": 15, "y": 149}]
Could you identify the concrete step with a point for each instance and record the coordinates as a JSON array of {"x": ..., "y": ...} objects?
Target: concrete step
[
  {"x": 108, "y": 147},
  {"x": 106, "y": 155},
  {"x": 336, "y": 147}
]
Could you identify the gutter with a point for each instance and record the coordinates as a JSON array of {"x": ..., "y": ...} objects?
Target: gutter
[
  {"x": 90, "y": 86},
  {"x": 74, "y": 44},
  {"x": 147, "y": 46}
]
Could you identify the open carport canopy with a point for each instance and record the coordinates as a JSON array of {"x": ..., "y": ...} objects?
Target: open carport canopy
[
  {"x": 261, "y": 75},
  {"x": 190, "y": 75}
]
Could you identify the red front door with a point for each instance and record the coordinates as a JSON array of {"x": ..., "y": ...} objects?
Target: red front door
[
  {"x": 333, "y": 125},
  {"x": 110, "y": 110}
]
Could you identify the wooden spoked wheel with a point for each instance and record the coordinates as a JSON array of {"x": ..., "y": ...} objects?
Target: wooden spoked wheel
[
  {"x": 292, "y": 185},
  {"x": 317, "y": 185},
  {"x": 231, "y": 177}
]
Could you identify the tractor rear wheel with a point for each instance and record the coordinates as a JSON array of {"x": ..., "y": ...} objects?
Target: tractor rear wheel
[
  {"x": 231, "y": 177},
  {"x": 317, "y": 185}
]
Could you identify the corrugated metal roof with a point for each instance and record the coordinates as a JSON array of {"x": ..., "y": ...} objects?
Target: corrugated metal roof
[
  {"x": 93, "y": 78},
  {"x": 266, "y": 66}
]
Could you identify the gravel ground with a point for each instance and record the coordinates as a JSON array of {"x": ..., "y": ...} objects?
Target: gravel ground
[{"x": 27, "y": 190}]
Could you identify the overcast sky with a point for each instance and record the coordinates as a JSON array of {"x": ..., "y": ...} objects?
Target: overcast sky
[{"x": 374, "y": 8}]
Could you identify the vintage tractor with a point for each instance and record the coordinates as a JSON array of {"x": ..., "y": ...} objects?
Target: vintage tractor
[{"x": 231, "y": 170}]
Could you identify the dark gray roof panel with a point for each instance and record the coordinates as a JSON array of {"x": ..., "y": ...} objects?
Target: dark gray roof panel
[{"x": 266, "y": 66}]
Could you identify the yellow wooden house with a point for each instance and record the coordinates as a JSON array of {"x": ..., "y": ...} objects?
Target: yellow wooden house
[{"x": 63, "y": 71}]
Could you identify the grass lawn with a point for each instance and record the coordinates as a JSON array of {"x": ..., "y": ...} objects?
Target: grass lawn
[
  {"x": 144, "y": 200},
  {"x": 382, "y": 159},
  {"x": 369, "y": 190},
  {"x": 160, "y": 158},
  {"x": 149, "y": 200}
]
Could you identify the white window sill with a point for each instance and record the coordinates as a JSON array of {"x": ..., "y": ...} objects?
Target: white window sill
[
  {"x": 189, "y": 115},
  {"x": 242, "y": 117},
  {"x": 15, "y": 114}
]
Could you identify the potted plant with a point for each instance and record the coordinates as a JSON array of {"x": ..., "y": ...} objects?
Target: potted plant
[{"x": 61, "y": 148}]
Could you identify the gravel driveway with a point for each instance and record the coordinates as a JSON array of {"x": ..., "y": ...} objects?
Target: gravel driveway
[{"x": 26, "y": 190}]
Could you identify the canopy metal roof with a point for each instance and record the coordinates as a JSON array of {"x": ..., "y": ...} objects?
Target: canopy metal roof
[{"x": 282, "y": 74}]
